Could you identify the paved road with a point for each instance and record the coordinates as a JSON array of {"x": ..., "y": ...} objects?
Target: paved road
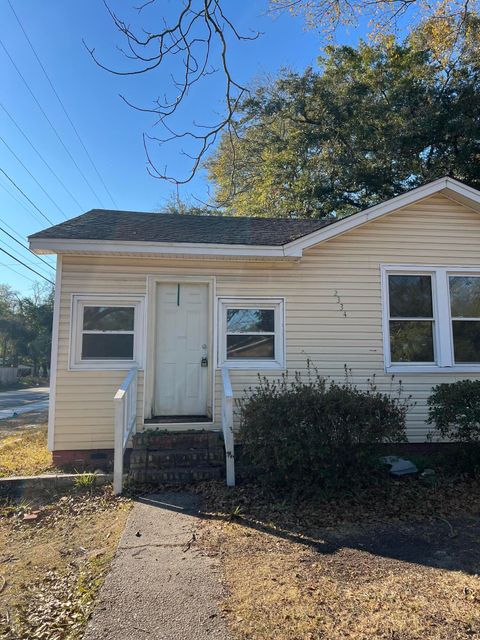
[
  {"x": 160, "y": 587},
  {"x": 23, "y": 401}
]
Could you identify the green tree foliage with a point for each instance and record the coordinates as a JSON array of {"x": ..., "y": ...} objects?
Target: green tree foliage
[
  {"x": 180, "y": 206},
  {"x": 371, "y": 123},
  {"x": 26, "y": 329},
  {"x": 446, "y": 18}
]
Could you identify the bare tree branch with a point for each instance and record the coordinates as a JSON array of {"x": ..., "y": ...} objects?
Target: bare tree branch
[
  {"x": 198, "y": 42},
  {"x": 200, "y": 37}
]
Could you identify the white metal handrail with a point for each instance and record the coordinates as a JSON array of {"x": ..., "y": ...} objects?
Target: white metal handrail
[
  {"x": 227, "y": 427},
  {"x": 125, "y": 403}
]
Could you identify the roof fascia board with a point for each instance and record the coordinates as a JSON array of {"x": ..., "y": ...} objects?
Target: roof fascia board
[
  {"x": 464, "y": 199},
  {"x": 449, "y": 186},
  {"x": 49, "y": 245}
]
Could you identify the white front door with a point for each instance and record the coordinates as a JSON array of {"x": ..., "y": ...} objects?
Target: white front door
[{"x": 181, "y": 371}]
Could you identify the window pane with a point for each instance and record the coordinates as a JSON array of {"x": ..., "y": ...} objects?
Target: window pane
[
  {"x": 465, "y": 296},
  {"x": 466, "y": 341},
  {"x": 411, "y": 341},
  {"x": 107, "y": 346},
  {"x": 250, "y": 347},
  {"x": 410, "y": 296},
  {"x": 246, "y": 320},
  {"x": 108, "y": 318}
]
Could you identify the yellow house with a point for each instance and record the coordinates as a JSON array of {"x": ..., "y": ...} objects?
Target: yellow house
[{"x": 175, "y": 315}]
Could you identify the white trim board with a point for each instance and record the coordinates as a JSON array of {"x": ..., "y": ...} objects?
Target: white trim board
[
  {"x": 54, "y": 355},
  {"x": 157, "y": 249},
  {"x": 450, "y": 187}
]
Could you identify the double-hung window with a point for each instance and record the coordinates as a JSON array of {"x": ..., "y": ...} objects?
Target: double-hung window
[
  {"x": 106, "y": 332},
  {"x": 465, "y": 312},
  {"x": 411, "y": 320},
  {"x": 251, "y": 333},
  {"x": 431, "y": 318}
]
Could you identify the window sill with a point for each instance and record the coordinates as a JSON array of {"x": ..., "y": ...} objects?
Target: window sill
[
  {"x": 410, "y": 368},
  {"x": 105, "y": 365},
  {"x": 253, "y": 365}
]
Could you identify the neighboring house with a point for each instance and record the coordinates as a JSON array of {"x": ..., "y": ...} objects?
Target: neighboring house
[{"x": 392, "y": 290}]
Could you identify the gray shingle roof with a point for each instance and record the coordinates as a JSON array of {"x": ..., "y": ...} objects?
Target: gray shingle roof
[{"x": 100, "y": 224}]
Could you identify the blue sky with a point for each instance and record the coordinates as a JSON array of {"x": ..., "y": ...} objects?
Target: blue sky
[{"x": 111, "y": 131}]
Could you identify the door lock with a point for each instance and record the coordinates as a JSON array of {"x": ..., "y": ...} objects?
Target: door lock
[{"x": 204, "y": 362}]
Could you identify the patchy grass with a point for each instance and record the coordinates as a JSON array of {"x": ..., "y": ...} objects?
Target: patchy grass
[
  {"x": 396, "y": 564},
  {"x": 23, "y": 422},
  {"x": 24, "y": 452},
  {"x": 53, "y": 559}
]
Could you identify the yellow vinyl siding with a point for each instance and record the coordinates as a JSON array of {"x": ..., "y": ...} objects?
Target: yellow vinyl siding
[{"x": 333, "y": 309}]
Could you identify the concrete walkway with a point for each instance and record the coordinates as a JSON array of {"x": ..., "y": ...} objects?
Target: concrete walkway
[{"x": 160, "y": 587}]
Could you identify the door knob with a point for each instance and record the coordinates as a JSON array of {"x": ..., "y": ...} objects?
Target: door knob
[{"x": 204, "y": 362}]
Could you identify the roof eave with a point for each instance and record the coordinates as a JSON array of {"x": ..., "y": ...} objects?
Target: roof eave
[
  {"x": 292, "y": 250},
  {"x": 168, "y": 249}
]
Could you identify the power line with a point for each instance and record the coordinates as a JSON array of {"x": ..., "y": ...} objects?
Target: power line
[
  {"x": 20, "y": 202},
  {"x": 50, "y": 123},
  {"x": 26, "y": 266},
  {"x": 25, "y": 247},
  {"x": 20, "y": 130},
  {"x": 4, "y": 222},
  {"x": 22, "y": 275},
  {"x": 11, "y": 228},
  {"x": 32, "y": 176},
  {"x": 25, "y": 196},
  {"x": 18, "y": 253},
  {"x": 19, "y": 238},
  {"x": 62, "y": 105}
]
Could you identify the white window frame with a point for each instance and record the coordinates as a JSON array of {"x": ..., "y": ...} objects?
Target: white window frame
[
  {"x": 278, "y": 306},
  {"x": 78, "y": 303},
  {"x": 442, "y": 318}
]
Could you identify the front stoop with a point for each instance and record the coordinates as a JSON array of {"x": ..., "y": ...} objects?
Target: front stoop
[{"x": 177, "y": 457}]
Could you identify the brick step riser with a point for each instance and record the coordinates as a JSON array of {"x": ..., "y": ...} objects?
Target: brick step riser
[
  {"x": 146, "y": 440},
  {"x": 161, "y": 459},
  {"x": 180, "y": 476}
]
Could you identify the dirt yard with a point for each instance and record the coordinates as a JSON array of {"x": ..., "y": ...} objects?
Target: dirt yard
[
  {"x": 53, "y": 558},
  {"x": 323, "y": 572}
]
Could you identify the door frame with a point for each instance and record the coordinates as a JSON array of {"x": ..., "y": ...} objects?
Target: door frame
[{"x": 150, "y": 343}]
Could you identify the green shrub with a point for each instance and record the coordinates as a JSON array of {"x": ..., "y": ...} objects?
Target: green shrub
[
  {"x": 454, "y": 410},
  {"x": 317, "y": 431}
]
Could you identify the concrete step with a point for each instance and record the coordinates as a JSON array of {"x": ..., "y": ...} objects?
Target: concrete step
[
  {"x": 176, "y": 475},
  {"x": 167, "y": 458}
]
